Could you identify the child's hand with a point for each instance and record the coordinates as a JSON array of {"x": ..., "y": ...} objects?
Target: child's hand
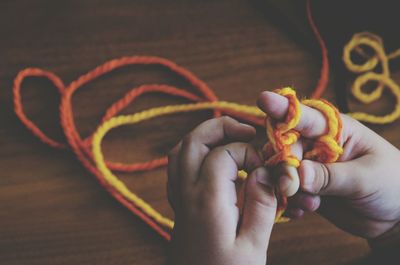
[
  {"x": 361, "y": 192},
  {"x": 201, "y": 189}
]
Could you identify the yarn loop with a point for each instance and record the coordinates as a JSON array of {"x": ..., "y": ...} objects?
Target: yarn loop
[
  {"x": 281, "y": 134},
  {"x": 368, "y": 72}
]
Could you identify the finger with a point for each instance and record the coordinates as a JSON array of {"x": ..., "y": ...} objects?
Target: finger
[
  {"x": 173, "y": 177},
  {"x": 259, "y": 209},
  {"x": 356, "y": 137},
  {"x": 312, "y": 122},
  {"x": 294, "y": 213},
  {"x": 288, "y": 181},
  {"x": 215, "y": 189},
  {"x": 340, "y": 179},
  {"x": 305, "y": 201},
  {"x": 196, "y": 145},
  {"x": 220, "y": 168}
]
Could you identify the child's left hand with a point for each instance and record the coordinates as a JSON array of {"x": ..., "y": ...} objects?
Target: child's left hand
[{"x": 201, "y": 189}]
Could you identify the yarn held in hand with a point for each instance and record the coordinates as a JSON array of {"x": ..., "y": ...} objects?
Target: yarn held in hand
[{"x": 281, "y": 134}]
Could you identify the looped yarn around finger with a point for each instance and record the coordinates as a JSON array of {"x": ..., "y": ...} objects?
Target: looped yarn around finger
[
  {"x": 326, "y": 148},
  {"x": 283, "y": 134}
]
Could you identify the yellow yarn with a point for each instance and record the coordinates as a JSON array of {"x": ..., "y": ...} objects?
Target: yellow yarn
[
  {"x": 145, "y": 115},
  {"x": 331, "y": 139},
  {"x": 367, "y": 74},
  {"x": 282, "y": 135},
  {"x": 328, "y": 145},
  {"x": 291, "y": 124},
  {"x": 289, "y": 137}
]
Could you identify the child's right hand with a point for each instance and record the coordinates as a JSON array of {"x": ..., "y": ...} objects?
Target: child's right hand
[{"x": 361, "y": 192}]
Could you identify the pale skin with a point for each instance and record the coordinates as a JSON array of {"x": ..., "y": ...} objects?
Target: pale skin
[{"x": 359, "y": 193}]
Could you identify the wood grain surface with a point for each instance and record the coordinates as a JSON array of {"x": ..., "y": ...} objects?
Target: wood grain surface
[{"x": 52, "y": 211}]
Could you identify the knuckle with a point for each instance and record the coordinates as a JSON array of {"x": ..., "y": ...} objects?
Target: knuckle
[
  {"x": 325, "y": 178},
  {"x": 262, "y": 199},
  {"x": 264, "y": 204}
]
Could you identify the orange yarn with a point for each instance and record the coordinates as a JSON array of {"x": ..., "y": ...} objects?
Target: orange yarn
[
  {"x": 282, "y": 135},
  {"x": 327, "y": 148},
  {"x": 324, "y": 75},
  {"x": 81, "y": 146}
]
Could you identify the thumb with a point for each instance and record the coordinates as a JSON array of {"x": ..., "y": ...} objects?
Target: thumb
[
  {"x": 336, "y": 179},
  {"x": 259, "y": 209}
]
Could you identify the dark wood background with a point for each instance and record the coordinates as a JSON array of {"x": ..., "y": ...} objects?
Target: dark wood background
[{"x": 52, "y": 211}]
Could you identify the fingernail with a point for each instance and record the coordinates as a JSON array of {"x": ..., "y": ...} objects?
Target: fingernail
[{"x": 262, "y": 177}]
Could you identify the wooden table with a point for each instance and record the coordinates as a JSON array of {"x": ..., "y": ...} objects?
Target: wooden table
[{"x": 52, "y": 211}]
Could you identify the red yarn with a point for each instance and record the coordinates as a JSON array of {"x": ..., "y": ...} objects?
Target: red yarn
[
  {"x": 324, "y": 75},
  {"x": 81, "y": 147}
]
